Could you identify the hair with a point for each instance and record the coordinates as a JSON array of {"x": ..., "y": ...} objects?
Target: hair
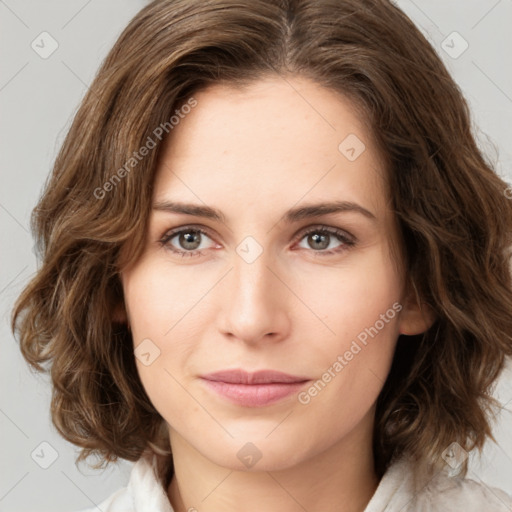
[{"x": 451, "y": 207}]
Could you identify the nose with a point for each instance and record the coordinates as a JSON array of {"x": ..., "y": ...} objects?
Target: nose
[{"x": 254, "y": 306}]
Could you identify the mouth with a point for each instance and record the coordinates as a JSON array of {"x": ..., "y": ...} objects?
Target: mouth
[{"x": 256, "y": 389}]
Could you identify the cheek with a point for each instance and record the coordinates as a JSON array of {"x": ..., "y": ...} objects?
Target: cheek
[
  {"x": 361, "y": 307},
  {"x": 159, "y": 298},
  {"x": 164, "y": 309},
  {"x": 352, "y": 298}
]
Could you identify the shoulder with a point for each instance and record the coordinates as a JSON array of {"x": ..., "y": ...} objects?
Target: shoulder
[{"x": 447, "y": 494}]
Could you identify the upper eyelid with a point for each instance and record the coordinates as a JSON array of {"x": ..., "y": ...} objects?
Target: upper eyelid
[{"x": 192, "y": 227}]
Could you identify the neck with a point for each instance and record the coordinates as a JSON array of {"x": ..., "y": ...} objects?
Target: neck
[{"x": 341, "y": 477}]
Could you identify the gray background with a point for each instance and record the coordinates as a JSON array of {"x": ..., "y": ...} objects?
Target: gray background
[{"x": 38, "y": 98}]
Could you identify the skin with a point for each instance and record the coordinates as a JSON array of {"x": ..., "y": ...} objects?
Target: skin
[{"x": 253, "y": 154}]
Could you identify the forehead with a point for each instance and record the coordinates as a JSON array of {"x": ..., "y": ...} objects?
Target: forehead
[{"x": 283, "y": 139}]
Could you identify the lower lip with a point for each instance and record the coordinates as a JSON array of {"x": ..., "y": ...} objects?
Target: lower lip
[{"x": 255, "y": 395}]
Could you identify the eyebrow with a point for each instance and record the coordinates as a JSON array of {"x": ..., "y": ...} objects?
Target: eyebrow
[{"x": 292, "y": 215}]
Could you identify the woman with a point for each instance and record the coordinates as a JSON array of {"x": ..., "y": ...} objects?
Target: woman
[{"x": 276, "y": 268}]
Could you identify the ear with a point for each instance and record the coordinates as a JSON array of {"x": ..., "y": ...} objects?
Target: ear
[{"x": 416, "y": 316}]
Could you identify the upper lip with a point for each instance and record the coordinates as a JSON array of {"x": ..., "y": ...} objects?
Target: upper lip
[{"x": 239, "y": 376}]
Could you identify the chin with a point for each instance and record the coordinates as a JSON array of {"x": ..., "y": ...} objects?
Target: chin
[{"x": 246, "y": 453}]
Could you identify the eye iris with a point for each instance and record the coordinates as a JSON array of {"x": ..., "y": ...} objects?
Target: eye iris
[
  {"x": 186, "y": 239},
  {"x": 322, "y": 239}
]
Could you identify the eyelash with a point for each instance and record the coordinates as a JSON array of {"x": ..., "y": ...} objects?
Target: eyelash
[{"x": 348, "y": 240}]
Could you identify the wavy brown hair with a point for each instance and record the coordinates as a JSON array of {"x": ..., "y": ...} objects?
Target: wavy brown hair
[{"x": 455, "y": 219}]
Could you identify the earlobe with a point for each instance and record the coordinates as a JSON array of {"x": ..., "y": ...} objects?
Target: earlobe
[{"x": 416, "y": 316}]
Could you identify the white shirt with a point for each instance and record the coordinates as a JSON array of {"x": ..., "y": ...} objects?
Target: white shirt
[{"x": 395, "y": 493}]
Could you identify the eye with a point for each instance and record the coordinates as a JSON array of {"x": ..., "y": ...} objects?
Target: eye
[
  {"x": 188, "y": 239},
  {"x": 320, "y": 238}
]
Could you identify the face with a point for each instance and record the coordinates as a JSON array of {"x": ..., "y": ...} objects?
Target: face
[{"x": 272, "y": 281}]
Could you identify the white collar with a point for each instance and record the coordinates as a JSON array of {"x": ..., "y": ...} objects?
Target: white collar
[
  {"x": 146, "y": 484},
  {"x": 397, "y": 491}
]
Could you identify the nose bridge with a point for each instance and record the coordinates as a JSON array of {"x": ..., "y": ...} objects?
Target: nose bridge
[
  {"x": 254, "y": 307},
  {"x": 251, "y": 273}
]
